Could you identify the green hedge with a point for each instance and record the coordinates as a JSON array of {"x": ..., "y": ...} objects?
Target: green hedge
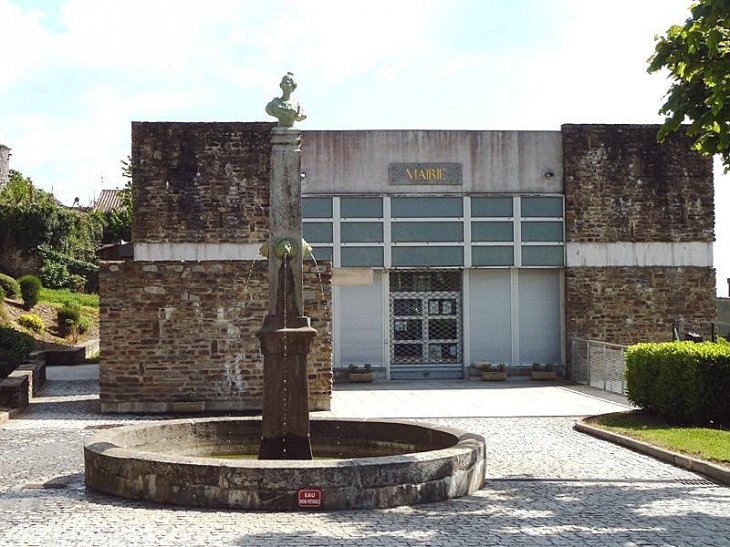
[
  {"x": 87, "y": 270},
  {"x": 15, "y": 347},
  {"x": 10, "y": 286},
  {"x": 30, "y": 290},
  {"x": 683, "y": 381}
]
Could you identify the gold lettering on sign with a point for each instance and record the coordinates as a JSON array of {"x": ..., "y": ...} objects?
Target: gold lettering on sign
[{"x": 432, "y": 173}]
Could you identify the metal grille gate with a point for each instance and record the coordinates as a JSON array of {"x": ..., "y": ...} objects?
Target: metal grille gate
[{"x": 425, "y": 321}]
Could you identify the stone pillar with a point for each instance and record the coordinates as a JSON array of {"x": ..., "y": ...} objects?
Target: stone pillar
[
  {"x": 286, "y": 334},
  {"x": 4, "y": 165}
]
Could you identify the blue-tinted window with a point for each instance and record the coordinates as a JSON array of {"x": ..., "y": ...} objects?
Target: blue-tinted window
[
  {"x": 425, "y": 207},
  {"x": 542, "y": 231},
  {"x": 427, "y": 256},
  {"x": 361, "y": 207},
  {"x": 426, "y": 231},
  {"x": 542, "y": 206},
  {"x": 316, "y": 207},
  {"x": 317, "y": 232},
  {"x": 361, "y": 232},
  {"x": 361, "y": 256},
  {"x": 492, "y": 231},
  {"x": 491, "y": 207},
  {"x": 543, "y": 256},
  {"x": 492, "y": 256}
]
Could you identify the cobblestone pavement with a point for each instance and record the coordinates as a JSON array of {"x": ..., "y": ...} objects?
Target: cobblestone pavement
[{"x": 547, "y": 485}]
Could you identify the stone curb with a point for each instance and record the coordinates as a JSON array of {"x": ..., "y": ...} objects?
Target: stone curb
[{"x": 702, "y": 467}]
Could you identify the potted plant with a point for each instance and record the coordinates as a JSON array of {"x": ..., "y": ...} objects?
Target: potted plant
[
  {"x": 360, "y": 373},
  {"x": 496, "y": 373},
  {"x": 477, "y": 367},
  {"x": 546, "y": 372}
]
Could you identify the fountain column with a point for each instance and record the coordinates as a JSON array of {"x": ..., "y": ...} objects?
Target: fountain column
[{"x": 286, "y": 334}]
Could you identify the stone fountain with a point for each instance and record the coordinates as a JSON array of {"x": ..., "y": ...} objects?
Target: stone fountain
[{"x": 360, "y": 463}]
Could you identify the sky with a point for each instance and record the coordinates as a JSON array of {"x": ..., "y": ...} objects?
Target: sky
[{"x": 74, "y": 74}]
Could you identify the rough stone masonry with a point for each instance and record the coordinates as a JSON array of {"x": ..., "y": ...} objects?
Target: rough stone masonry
[{"x": 178, "y": 327}]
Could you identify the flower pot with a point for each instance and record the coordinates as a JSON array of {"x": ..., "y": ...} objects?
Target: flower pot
[
  {"x": 361, "y": 377},
  {"x": 544, "y": 374},
  {"x": 494, "y": 375}
]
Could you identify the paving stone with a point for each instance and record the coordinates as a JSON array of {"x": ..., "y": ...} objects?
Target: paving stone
[{"x": 547, "y": 485}]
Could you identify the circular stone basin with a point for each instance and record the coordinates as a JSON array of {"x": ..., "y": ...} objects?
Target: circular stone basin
[{"x": 373, "y": 464}]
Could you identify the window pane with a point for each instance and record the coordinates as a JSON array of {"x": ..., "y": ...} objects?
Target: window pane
[
  {"x": 542, "y": 231},
  {"x": 427, "y": 256},
  {"x": 491, "y": 207},
  {"x": 408, "y": 329},
  {"x": 407, "y": 306},
  {"x": 427, "y": 231},
  {"x": 361, "y": 207},
  {"x": 542, "y": 207},
  {"x": 322, "y": 253},
  {"x": 317, "y": 232},
  {"x": 492, "y": 231},
  {"x": 426, "y": 207},
  {"x": 361, "y": 232},
  {"x": 492, "y": 256},
  {"x": 317, "y": 207},
  {"x": 543, "y": 256},
  {"x": 361, "y": 256}
]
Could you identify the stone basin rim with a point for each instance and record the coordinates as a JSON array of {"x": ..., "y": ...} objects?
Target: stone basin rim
[{"x": 454, "y": 467}]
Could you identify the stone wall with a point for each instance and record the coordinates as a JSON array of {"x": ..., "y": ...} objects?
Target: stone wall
[
  {"x": 180, "y": 336},
  {"x": 627, "y": 305},
  {"x": 623, "y": 187},
  {"x": 200, "y": 182}
]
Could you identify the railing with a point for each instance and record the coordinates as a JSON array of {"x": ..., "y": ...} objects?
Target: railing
[
  {"x": 598, "y": 364},
  {"x": 698, "y": 331}
]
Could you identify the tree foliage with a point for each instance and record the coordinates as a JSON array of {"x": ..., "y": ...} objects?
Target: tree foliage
[
  {"x": 697, "y": 56},
  {"x": 118, "y": 222}
]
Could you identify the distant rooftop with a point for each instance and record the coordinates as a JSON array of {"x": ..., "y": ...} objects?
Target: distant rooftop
[{"x": 108, "y": 200}]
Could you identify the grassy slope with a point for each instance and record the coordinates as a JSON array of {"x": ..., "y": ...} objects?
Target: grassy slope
[{"x": 699, "y": 442}]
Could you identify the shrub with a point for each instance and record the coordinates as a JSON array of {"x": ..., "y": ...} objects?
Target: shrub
[
  {"x": 3, "y": 313},
  {"x": 68, "y": 318},
  {"x": 683, "y": 381},
  {"x": 14, "y": 349},
  {"x": 31, "y": 321},
  {"x": 84, "y": 324},
  {"x": 54, "y": 275},
  {"x": 10, "y": 285},
  {"x": 76, "y": 283},
  {"x": 30, "y": 290}
]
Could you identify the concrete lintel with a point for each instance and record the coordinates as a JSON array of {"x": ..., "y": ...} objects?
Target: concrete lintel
[
  {"x": 673, "y": 254},
  {"x": 152, "y": 252}
]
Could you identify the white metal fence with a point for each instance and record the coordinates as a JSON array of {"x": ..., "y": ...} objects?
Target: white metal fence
[{"x": 598, "y": 364}]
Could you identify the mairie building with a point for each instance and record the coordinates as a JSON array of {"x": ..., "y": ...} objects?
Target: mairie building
[{"x": 434, "y": 249}]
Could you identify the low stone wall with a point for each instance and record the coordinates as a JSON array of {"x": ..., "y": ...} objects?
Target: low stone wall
[
  {"x": 628, "y": 305},
  {"x": 180, "y": 336}
]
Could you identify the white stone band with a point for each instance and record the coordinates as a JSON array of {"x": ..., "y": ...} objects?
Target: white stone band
[
  {"x": 151, "y": 252},
  {"x": 638, "y": 254}
]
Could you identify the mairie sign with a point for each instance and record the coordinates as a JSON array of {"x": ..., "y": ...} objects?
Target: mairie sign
[{"x": 425, "y": 173}]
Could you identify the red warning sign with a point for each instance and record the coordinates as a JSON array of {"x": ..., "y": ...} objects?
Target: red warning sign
[{"x": 310, "y": 498}]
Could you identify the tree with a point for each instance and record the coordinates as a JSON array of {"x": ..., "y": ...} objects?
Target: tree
[
  {"x": 697, "y": 56},
  {"x": 118, "y": 221}
]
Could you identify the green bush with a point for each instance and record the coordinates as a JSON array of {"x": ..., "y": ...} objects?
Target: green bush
[
  {"x": 15, "y": 347},
  {"x": 10, "y": 285},
  {"x": 31, "y": 321},
  {"x": 30, "y": 290},
  {"x": 88, "y": 270},
  {"x": 54, "y": 275},
  {"x": 68, "y": 318},
  {"x": 3, "y": 313},
  {"x": 683, "y": 381},
  {"x": 76, "y": 283}
]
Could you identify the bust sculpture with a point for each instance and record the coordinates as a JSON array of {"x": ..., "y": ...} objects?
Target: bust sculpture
[{"x": 284, "y": 108}]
